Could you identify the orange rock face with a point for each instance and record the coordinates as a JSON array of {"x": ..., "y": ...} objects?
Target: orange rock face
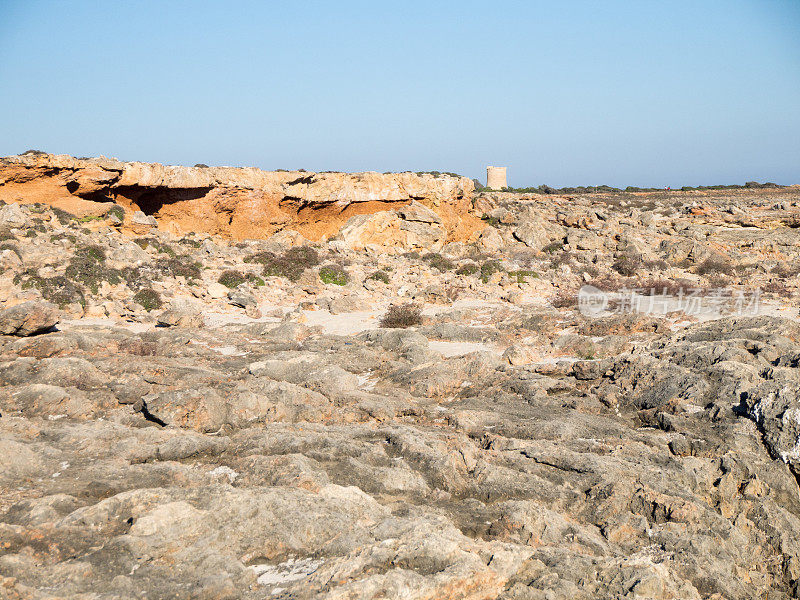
[{"x": 234, "y": 202}]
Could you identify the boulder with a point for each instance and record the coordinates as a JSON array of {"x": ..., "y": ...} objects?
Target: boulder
[{"x": 28, "y": 318}]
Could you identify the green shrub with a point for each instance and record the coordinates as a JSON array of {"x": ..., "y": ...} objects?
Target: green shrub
[
  {"x": 179, "y": 266},
  {"x": 400, "y": 316},
  {"x": 63, "y": 216},
  {"x": 88, "y": 268},
  {"x": 380, "y": 275},
  {"x": 89, "y": 218},
  {"x": 190, "y": 242},
  {"x": 467, "y": 269},
  {"x": 63, "y": 236},
  {"x": 489, "y": 268},
  {"x": 291, "y": 264},
  {"x": 93, "y": 253},
  {"x": 715, "y": 265},
  {"x": 148, "y": 298},
  {"x": 231, "y": 279},
  {"x": 628, "y": 265},
  {"x": 12, "y": 247},
  {"x": 333, "y": 274},
  {"x": 116, "y": 211},
  {"x": 147, "y": 242},
  {"x": 6, "y": 235},
  {"x": 522, "y": 274},
  {"x": 553, "y": 247},
  {"x": 59, "y": 290},
  {"x": 437, "y": 261}
]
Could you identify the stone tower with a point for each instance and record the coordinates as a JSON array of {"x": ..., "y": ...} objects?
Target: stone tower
[{"x": 496, "y": 178}]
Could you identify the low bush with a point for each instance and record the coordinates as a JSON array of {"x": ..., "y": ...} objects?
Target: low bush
[
  {"x": 553, "y": 247},
  {"x": 715, "y": 265},
  {"x": 12, "y": 247},
  {"x": 116, "y": 211},
  {"x": 190, "y": 242},
  {"x": 233, "y": 279},
  {"x": 489, "y": 268},
  {"x": 437, "y": 261},
  {"x": 179, "y": 266},
  {"x": 628, "y": 265},
  {"x": 148, "y": 298},
  {"x": 161, "y": 248},
  {"x": 291, "y": 264},
  {"x": 522, "y": 275},
  {"x": 787, "y": 270},
  {"x": 88, "y": 268},
  {"x": 62, "y": 216},
  {"x": 565, "y": 299},
  {"x": 59, "y": 290},
  {"x": 400, "y": 316},
  {"x": 778, "y": 288},
  {"x": 467, "y": 269},
  {"x": 380, "y": 275}
]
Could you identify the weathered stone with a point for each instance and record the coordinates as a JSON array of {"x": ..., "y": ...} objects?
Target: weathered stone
[{"x": 28, "y": 318}]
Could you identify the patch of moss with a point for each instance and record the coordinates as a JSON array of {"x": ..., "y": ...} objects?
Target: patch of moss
[
  {"x": 148, "y": 298},
  {"x": 333, "y": 274}
]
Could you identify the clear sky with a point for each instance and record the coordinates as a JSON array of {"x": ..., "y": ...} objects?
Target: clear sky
[{"x": 563, "y": 92}]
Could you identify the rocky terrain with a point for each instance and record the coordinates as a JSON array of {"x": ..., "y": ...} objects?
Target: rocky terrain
[{"x": 406, "y": 401}]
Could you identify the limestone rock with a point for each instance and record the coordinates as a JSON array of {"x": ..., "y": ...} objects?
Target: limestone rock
[{"x": 28, "y": 318}]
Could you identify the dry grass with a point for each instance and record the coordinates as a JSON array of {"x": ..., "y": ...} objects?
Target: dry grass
[{"x": 400, "y": 316}]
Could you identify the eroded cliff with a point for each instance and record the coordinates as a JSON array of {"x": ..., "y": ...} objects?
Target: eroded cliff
[{"x": 236, "y": 202}]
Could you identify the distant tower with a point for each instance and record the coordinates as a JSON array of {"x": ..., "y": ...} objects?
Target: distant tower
[{"x": 496, "y": 178}]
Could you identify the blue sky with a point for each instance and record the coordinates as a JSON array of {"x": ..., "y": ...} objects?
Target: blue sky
[{"x": 571, "y": 92}]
